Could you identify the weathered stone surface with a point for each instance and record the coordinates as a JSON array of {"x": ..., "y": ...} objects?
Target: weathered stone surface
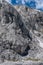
[
  {"x": 22, "y": 63},
  {"x": 21, "y": 33}
]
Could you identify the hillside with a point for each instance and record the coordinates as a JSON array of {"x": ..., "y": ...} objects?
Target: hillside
[{"x": 21, "y": 34}]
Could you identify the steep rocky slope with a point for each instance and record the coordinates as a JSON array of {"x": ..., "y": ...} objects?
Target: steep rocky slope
[{"x": 21, "y": 33}]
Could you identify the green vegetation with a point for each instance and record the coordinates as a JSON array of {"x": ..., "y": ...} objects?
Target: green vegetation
[{"x": 33, "y": 59}]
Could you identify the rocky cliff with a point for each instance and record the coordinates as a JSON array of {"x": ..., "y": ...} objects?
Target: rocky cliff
[{"x": 21, "y": 33}]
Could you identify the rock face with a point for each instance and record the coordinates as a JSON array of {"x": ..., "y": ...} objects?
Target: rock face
[{"x": 21, "y": 33}]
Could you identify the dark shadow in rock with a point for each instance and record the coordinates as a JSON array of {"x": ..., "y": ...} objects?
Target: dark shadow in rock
[
  {"x": 19, "y": 22},
  {"x": 0, "y": 5},
  {"x": 7, "y": 15},
  {"x": 25, "y": 52},
  {"x": 41, "y": 64},
  {"x": 24, "y": 30}
]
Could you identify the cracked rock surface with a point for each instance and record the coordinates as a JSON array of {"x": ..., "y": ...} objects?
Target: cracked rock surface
[{"x": 21, "y": 34}]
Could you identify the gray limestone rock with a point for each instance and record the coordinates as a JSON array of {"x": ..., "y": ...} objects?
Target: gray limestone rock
[{"x": 21, "y": 33}]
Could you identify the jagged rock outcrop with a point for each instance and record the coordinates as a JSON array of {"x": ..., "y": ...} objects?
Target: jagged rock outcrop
[
  {"x": 13, "y": 33},
  {"x": 21, "y": 33}
]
